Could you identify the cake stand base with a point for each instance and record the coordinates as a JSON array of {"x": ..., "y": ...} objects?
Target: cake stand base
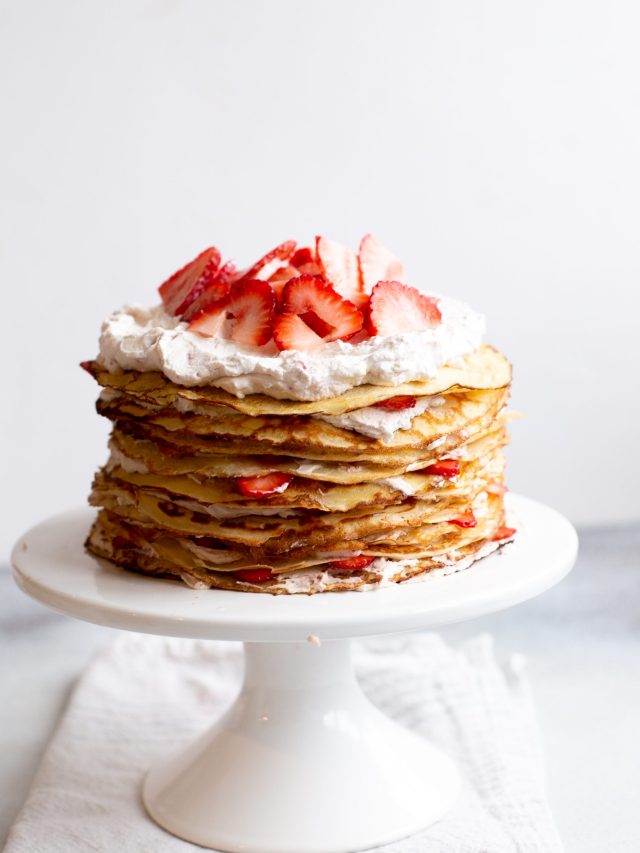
[{"x": 301, "y": 763}]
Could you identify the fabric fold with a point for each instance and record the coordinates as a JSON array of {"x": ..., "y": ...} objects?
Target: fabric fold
[{"x": 144, "y": 696}]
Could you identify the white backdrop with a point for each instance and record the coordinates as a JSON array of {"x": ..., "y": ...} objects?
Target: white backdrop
[{"x": 494, "y": 146}]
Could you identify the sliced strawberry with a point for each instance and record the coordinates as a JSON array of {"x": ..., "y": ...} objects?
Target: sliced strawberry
[
  {"x": 280, "y": 277},
  {"x": 263, "y": 486},
  {"x": 214, "y": 291},
  {"x": 86, "y": 365},
  {"x": 394, "y": 404},
  {"x": 309, "y": 295},
  {"x": 396, "y": 308},
  {"x": 313, "y": 313},
  {"x": 376, "y": 263},
  {"x": 267, "y": 265},
  {"x": 352, "y": 564},
  {"x": 228, "y": 272},
  {"x": 312, "y": 268},
  {"x": 466, "y": 519},
  {"x": 245, "y": 316},
  {"x": 211, "y": 321},
  {"x": 176, "y": 291},
  {"x": 339, "y": 265},
  {"x": 496, "y": 488},
  {"x": 252, "y": 305},
  {"x": 504, "y": 533},
  {"x": 303, "y": 261},
  {"x": 443, "y": 468},
  {"x": 302, "y": 256},
  {"x": 253, "y": 575},
  {"x": 291, "y": 332}
]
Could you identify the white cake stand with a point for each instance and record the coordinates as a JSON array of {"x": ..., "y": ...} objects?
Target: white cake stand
[{"x": 301, "y": 762}]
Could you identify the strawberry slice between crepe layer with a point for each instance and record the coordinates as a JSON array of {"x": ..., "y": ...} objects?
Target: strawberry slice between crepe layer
[
  {"x": 352, "y": 564},
  {"x": 504, "y": 533},
  {"x": 254, "y": 576},
  {"x": 396, "y": 404},
  {"x": 447, "y": 468},
  {"x": 263, "y": 486},
  {"x": 465, "y": 519},
  {"x": 312, "y": 314}
]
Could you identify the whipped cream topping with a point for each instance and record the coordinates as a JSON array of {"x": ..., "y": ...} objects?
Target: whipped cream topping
[{"x": 147, "y": 339}]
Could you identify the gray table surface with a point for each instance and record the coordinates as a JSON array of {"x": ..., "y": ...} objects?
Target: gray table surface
[{"x": 582, "y": 640}]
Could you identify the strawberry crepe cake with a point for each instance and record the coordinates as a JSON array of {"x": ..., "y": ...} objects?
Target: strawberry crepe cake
[{"x": 312, "y": 423}]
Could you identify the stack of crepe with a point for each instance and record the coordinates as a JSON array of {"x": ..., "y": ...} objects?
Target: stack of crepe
[{"x": 170, "y": 504}]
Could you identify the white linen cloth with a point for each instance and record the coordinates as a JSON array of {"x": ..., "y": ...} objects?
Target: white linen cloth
[{"x": 143, "y": 695}]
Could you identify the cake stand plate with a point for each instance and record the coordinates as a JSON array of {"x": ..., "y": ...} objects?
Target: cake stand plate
[{"x": 302, "y": 762}]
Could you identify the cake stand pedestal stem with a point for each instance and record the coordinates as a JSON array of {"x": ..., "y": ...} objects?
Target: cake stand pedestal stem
[{"x": 302, "y": 762}]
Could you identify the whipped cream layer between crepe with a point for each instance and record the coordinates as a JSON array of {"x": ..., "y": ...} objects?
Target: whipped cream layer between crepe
[{"x": 148, "y": 339}]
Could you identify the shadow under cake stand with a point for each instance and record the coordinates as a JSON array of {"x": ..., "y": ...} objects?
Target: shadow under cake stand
[{"x": 302, "y": 762}]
